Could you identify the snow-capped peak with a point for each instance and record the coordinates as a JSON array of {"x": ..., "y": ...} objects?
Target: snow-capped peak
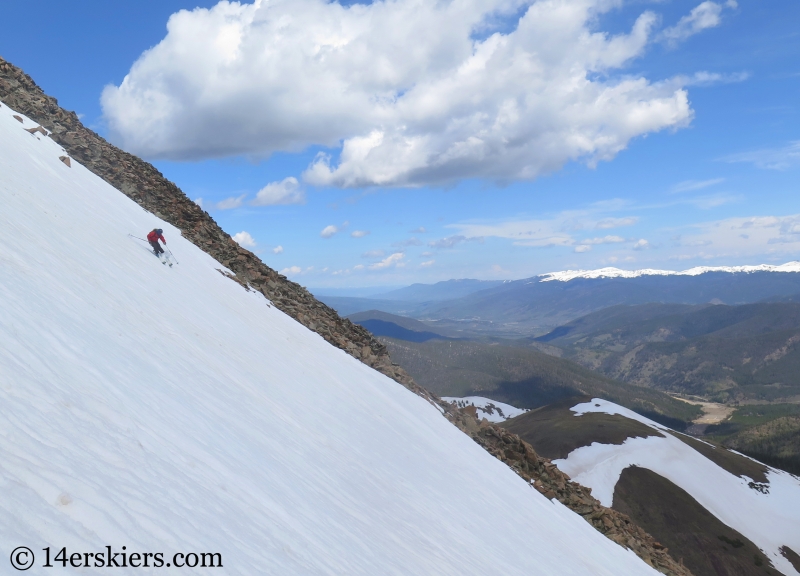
[{"x": 567, "y": 275}]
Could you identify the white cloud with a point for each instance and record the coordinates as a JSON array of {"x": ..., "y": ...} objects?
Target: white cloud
[
  {"x": 770, "y": 158},
  {"x": 714, "y": 200},
  {"x": 392, "y": 260},
  {"x": 607, "y": 223},
  {"x": 199, "y": 202},
  {"x": 277, "y": 250},
  {"x": 410, "y": 242},
  {"x": 641, "y": 245},
  {"x": 230, "y": 203},
  {"x": 603, "y": 240},
  {"x": 359, "y": 233},
  {"x": 554, "y": 231},
  {"x": 374, "y": 254},
  {"x": 427, "y": 264},
  {"x": 448, "y": 242},
  {"x": 691, "y": 185},
  {"x": 582, "y": 248},
  {"x": 756, "y": 239},
  {"x": 244, "y": 239},
  {"x": 401, "y": 92},
  {"x": 704, "y": 78},
  {"x": 703, "y": 16},
  {"x": 329, "y": 231},
  {"x": 292, "y": 270},
  {"x": 287, "y": 191}
]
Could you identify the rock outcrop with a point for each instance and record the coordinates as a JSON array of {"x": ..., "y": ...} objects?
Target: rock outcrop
[{"x": 144, "y": 184}]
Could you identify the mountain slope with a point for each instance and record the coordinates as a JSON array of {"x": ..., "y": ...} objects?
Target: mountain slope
[
  {"x": 757, "y": 502},
  {"x": 171, "y": 410},
  {"x": 728, "y": 353},
  {"x": 146, "y": 186},
  {"x": 400, "y": 327},
  {"x": 523, "y": 377}
]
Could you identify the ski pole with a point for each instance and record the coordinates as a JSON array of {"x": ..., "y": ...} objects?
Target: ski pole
[
  {"x": 132, "y": 236},
  {"x": 173, "y": 255}
]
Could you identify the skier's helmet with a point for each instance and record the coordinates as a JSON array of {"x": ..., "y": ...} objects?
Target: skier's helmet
[{"x": 159, "y": 230}]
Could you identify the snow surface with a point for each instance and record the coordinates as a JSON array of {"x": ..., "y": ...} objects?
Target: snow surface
[
  {"x": 768, "y": 520},
  {"x": 169, "y": 410},
  {"x": 567, "y": 275},
  {"x": 492, "y": 410}
]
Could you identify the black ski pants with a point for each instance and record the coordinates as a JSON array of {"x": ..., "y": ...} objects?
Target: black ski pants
[{"x": 156, "y": 247}]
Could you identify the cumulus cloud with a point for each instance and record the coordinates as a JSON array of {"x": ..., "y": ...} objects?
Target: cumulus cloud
[
  {"x": 359, "y": 233},
  {"x": 329, "y": 231},
  {"x": 277, "y": 250},
  {"x": 392, "y": 260},
  {"x": 244, "y": 239},
  {"x": 199, "y": 202},
  {"x": 291, "y": 270},
  {"x": 400, "y": 93},
  {"x": 427, "y": 264},
  {"x": 641, "y": 244},
  {"x": 703, "y": 16},
  {"x": 582, "y": 248},
  {"x": 287, "y": 191}
]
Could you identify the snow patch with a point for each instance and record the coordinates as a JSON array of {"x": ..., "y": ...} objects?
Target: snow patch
[
  {"x": 492, "y": 410},
  {"x": 769, "y": 520}
]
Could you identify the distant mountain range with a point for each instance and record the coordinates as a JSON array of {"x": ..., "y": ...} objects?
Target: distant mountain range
[{"x": 534, "y": 306}]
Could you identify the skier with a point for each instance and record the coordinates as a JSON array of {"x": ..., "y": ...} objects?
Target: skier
[{"x": 153, "y": 237}]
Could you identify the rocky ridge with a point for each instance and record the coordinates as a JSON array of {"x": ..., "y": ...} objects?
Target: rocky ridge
[{"x": 144, "y": 184}]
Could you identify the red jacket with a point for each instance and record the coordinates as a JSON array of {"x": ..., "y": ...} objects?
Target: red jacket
[{"x": 154, "y": 236}]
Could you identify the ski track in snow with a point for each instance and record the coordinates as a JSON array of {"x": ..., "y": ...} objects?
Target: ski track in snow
[
  {"x": 768, "y": 520},
  {"x": 487, "y": 408},
  {"x": 169, "y": 410}
]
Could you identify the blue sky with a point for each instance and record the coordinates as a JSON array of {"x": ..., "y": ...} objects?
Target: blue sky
[{"x": 492, "y": 139}]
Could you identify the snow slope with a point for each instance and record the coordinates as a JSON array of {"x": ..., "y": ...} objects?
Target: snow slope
[
  {"x": 769, "y": 520},
  {"x": 567, "y": 275},
  {"x": 492, "y": 410},
  {"x": 169, "y": 410}
]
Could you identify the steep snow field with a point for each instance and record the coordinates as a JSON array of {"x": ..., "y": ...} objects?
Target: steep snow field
[
  {"x": 769, "y": 520},
  {"x": 169, "y": 410},
  {"x": 492, "y": 410}
]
